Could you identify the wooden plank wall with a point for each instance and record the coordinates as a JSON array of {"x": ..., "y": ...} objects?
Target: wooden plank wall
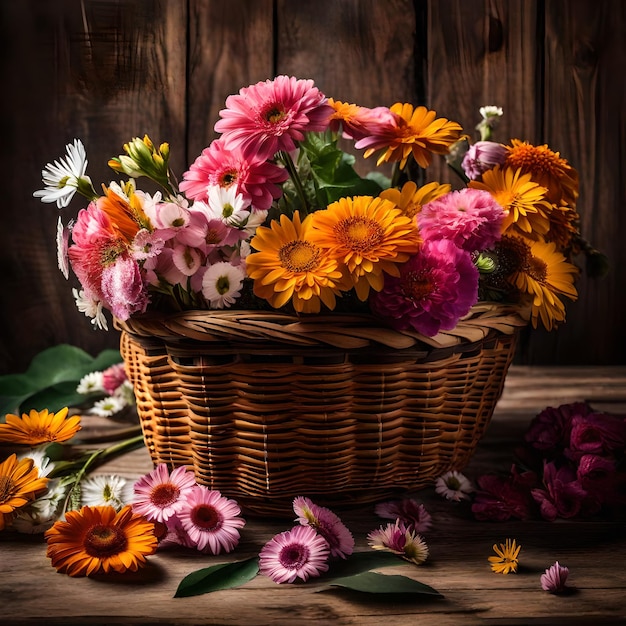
[{"x": 108, "y": 70}]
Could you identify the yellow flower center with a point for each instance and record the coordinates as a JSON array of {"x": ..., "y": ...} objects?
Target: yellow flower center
[
  {"x": 359, "y": 233},
  {"x": 102, "y": 541},
  {"x": 299, "y": 256},
  {"x": 6, "y": 487},
  {"x": 274, "y": 115}
]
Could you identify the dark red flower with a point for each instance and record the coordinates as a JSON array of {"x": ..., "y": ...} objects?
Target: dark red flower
[{"x": 597, "y": 433}]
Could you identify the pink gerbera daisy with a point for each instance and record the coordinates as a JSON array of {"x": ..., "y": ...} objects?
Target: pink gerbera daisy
[
  {"x": 159, "y": 494},
  {"x": 327, "y": 524},
  {"x": 470, "y": 218},
  {"x": 399, "y": 539},
  {"x": 436, "y": 287},
  {"x": 554, "y": 578},
  {"x": 296, "y": 553},
  {"x": 255, "y": 178},
  {"x": 269, "y": 116},
  {"x": 409, "y": 511},
  {"x": 210, "y": 520}
]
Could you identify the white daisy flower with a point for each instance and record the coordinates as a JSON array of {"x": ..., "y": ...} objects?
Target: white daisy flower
[
  {"x": 454, "y": 486},
  {"x": 227, "y": 205},
  {"x": 39, "y": 515},
  {"x": 91, "y": 308},
  {"x": 221, "y": 284},
  {"x": 107, "y": 406},
  {"x": 91, "y": 383},
  {"x": 491, "y": 111},
  {"x": 40, "y": 459},
  {"x": 125, "y": 393},
  {"x": 61, "y": 178},
  {"x": 106, "y": 490}
]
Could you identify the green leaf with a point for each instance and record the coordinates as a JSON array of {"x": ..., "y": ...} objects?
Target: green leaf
[
  {"x": 217, "y": 577},
  {"x": 370, "y": 582},
  {"x": 58, "y": 364},
  {"x": 54, "y": 398}
]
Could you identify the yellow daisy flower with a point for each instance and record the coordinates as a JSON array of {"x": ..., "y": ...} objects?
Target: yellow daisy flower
[
  {"x": 290, "y": 266},
  {"x": 507, "y": 557},
  {"x": 419, "y": 132},
  {"x": 39, "y": 427},
  {"x": 368, "y": 236},
  {"x": 522, "y": 199},
  {"x": 564, "y": 226},
  {"x": 547, "y": 168},
  {"x": 546, "y": 275},
  {"x": 98, "y": 539},
  {"x": 412, "y": 198},
  {"x": 19, "y": 485}
]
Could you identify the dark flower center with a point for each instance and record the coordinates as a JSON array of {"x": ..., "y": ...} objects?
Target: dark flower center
[
  {"x": 102, "y": 540},
  {"x": 417, "y": 285},
  {"x": 206, "y": 517},
  {"x": 228, "y": 178},
  {"x": 6, "y": 487},
  {"x": 222, "y": 285},
  {"x": 293, "y": 556},
  {"x": 538, "y": 270},
  {"x": 164, "y": 494}
]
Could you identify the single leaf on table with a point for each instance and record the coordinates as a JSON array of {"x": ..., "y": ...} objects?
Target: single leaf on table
[
  {"x": 370, "y": 582},
  {"x": 218, "y": 577},
  {"x": 360, "y": 562}
]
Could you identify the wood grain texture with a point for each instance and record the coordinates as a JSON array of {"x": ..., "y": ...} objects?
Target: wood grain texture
[
  {"x": 108, "y": 70},
  {"x": 457, "y": 566}
]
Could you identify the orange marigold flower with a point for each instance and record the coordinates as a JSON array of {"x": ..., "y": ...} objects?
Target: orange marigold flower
[
  {"x": 547, "y": 168},
  {"x": 417, "y": 131},
  {"x": 289, "y": 266},
  {"x": 39, "y": 427},
  {"x": 98, "y": 539},
  {"x": 412, "y": 198},
  {"x": 368, "y": 236},
  {"x": 19, "y": 484},
  {"x": 522, "y": 199}
]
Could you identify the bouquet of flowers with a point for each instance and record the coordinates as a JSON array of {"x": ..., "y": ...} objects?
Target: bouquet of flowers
[{"x": 273, "y": 215}]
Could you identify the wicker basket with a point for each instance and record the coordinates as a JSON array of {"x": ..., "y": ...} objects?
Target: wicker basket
[{"x": 267, "y": 406}]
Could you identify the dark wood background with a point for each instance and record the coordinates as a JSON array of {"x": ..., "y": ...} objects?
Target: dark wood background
[{"x": 108, "y": 70}]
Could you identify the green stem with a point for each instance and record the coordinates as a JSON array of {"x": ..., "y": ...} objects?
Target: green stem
[{"x": 297, "y": 183}]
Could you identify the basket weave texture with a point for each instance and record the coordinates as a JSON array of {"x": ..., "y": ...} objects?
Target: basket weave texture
[{"x": 267, "y": 406}]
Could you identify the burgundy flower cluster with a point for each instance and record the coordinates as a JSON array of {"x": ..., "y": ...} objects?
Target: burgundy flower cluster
[{"x": 572, "y": 464}]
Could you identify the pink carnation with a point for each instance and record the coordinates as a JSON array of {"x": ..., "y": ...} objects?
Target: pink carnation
[
  {"x": 596, "y": 433},
  {"x": 435, "y": 289},
  {"x": 257, "y": 179},
  {"x": 123, "y": 287},
  {"x": 482, "y": 156},
  {"x": 270, "y": 116},
  {"x": 113, "y": 377},
  {"x": 471, "y": 218}
]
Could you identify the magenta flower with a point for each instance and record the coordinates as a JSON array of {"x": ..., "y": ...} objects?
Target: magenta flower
[
  {"x": 159, "y": 494},
  {"x": 210, "y": 520},
  {"x": 553, "y": 579},
  {"x": 296, "y": 553},
  {"x": 412, "y": 513},
  {"x": 270, "y": 116},
  {"x": 257, "y": 179},
  {"x": 436, "y": 287},
  {"x": 499, "y": 499},
  {"x": 399, "y": 539},
  {"x": 550, "y": 430},
  {"x": 327, "y": 524},
  {"x": 363, "y": 122},
  {"x": 482, "y": 156},
  {"x": 471, "y": 218},
  {"x": 598, "y": 476},
  {"x": 596, "y": 433},
  {"x": 113, "y": 377},
  {"x": 123, "y": 287},
  {"x": 562, "y": 496}
]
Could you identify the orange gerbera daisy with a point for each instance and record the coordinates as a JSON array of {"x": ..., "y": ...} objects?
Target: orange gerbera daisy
[
  {"x": 369, "y": 236},
  {"x": 19, "y": 484},
  {"x": 564, "y": 227},
  {"x": 547, "y": 168},
  {"x": 98, "y": 539},
  {"x": 522, "y": 199},
  {"x": 417, "y": 131},
  {"x": 412, "y": 198},
  {"x": 290, "y": 266},
  {"x": 127, "y": 216},
  {"x": 39, "y": 427},
  {"x": 545, "y": 276}
]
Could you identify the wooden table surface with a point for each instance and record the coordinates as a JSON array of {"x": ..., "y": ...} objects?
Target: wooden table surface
[{"x": 31, "y": 591}]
